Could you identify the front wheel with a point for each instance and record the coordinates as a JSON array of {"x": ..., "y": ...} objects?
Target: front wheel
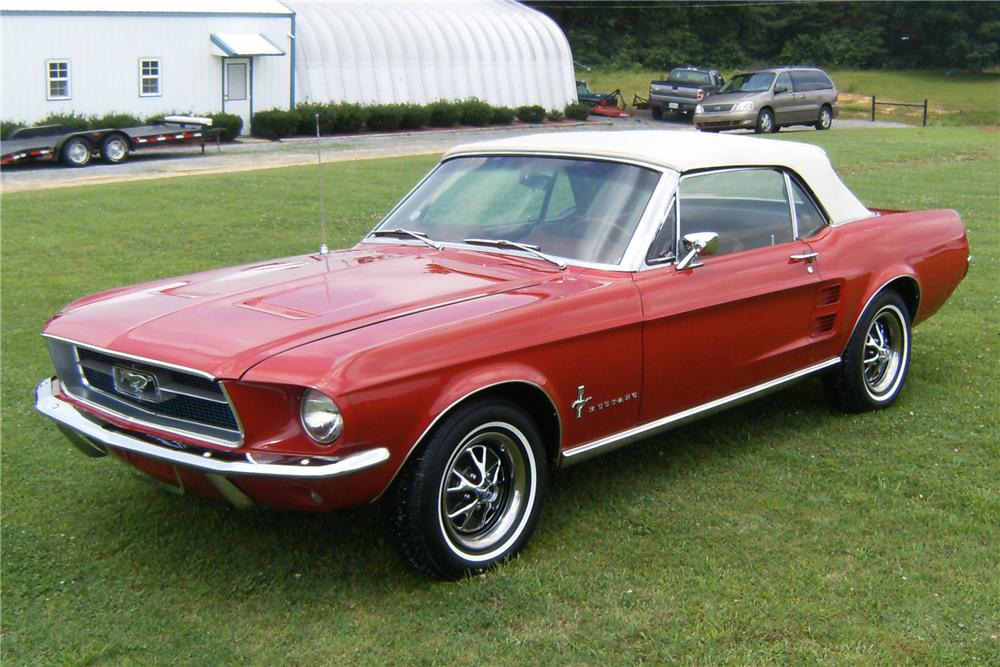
[
  {"x": 874, "y": 364},
  {"x": 825, "y": 120},
  {"x": 765, "y": 122},
  {"x": 471, "y": 497}
]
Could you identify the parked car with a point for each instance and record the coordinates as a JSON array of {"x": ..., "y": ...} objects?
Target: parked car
[
  {"x": 532, "y": 303},
  {"x": 682, "y": 90},
  {"x": 770, "y": 99}
]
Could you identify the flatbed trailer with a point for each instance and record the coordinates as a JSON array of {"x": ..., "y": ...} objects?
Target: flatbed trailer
[{"x": 76, "y": 148}]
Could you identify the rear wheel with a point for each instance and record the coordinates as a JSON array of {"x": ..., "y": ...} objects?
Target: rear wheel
[
  {"x": 874, "y": 364},
  {"x": 114, "y": 149},
  {"x": 470, "y": 499},
  {"x": 657, "y": 113},
  {"x": 76, "y": 152},
  {"x": 825, "y": 120},
  {"x": 765, "y": 122}
]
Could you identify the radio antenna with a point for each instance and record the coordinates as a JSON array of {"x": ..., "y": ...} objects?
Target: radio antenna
[{"x": 322, "y": 208}]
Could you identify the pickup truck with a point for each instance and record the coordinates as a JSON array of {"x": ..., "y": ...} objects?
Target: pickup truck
[{"x": 682, "y": 90}]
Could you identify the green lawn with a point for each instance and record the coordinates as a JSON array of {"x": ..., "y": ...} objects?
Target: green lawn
[
  {"x": 959, "y": 99},
  {"x": 779, "y": 533}
]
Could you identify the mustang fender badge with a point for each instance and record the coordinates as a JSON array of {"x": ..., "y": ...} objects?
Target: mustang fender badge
[{"x": 580, "y": 401}]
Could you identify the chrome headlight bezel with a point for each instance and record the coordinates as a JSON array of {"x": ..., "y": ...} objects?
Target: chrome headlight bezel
[{"x": 320, "y": 416}]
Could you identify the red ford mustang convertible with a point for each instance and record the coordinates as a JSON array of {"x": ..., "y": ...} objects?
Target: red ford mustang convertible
[{"x": 532, "y": 303}]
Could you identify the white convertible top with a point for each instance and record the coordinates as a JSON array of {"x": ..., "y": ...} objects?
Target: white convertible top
[{"x": 689, "y": 151}]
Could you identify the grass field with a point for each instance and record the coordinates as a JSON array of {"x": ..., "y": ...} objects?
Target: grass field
[
  {"x": 959, "y": 99},
  {"x": 777, "y": 533}
]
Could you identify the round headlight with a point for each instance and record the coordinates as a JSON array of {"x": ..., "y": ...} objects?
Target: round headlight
[{"x": 320, "y": 416}]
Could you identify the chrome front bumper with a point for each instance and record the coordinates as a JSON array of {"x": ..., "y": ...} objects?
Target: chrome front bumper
[{"x": 93, "y": 439}]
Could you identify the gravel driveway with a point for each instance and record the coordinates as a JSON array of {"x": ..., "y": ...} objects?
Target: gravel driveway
[{"x": 250, "y": 154}]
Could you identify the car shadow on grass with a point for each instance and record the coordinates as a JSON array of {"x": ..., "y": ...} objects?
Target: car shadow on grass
[{"x": 335, "y": 552}]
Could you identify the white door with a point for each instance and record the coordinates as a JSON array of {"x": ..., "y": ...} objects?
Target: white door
[{"x": 236, "y": 89}]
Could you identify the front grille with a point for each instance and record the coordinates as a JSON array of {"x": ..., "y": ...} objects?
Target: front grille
[
  {"x": 717, "y": 108},
  {"x": 174, "y": 399}
]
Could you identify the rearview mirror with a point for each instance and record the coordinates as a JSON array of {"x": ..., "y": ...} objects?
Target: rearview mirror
[
  {"x": 535, "y": 180},
  {"x": 697, "y": 244}
]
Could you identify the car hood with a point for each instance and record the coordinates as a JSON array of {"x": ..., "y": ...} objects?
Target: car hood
[
  {"x": 223, "y": 322},
  {"x": 728, "y": 98}
]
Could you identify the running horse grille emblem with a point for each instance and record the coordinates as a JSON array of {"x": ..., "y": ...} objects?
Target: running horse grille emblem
[{"x": 136, "y": 384}]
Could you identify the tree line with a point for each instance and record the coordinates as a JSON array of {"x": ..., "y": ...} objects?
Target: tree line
[{"x": 852, "y": 35}]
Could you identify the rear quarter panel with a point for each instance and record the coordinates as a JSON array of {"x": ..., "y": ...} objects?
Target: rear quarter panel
[{"x": 930, "y": 247}]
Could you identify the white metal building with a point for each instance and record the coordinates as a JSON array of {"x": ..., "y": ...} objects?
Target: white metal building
[
  {"x": 404, "y": 51},
  {"x": 200, "y": 56},
  {"x": 144, "y": 58}
]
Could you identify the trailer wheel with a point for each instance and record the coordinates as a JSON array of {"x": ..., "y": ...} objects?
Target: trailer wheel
[
  {"x": 76, "y": 152},
  {"x": 114, "y": 149}
]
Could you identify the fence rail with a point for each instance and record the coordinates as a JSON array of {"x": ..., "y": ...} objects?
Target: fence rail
[{"x": 900, "y": 104}]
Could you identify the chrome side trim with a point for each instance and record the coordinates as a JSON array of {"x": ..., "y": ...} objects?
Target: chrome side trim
[
  {"x": 612, "y": 442},
  {"x": 64, "y": 414},
  {"x": 133, "y": 357}
]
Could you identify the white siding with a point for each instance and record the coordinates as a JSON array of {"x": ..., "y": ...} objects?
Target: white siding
[
  {"x": 104, "y": 52},
  {"x": 403, "y": 51}
]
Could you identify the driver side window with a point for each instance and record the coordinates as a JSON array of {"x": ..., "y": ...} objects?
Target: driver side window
[{"x": 747, "y": 208}]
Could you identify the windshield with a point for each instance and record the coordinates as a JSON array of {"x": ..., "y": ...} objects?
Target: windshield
[
  {"x": 582, "y": 210},
  {"x": 749, "y": 83},
  {"x": 689, "y": 76}
]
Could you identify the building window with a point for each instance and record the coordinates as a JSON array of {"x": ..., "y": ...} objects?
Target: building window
[
  {"x": 149, "y": 77},
  {"x": 57, "y": 77}
]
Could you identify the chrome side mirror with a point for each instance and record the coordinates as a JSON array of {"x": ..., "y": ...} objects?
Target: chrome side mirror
[{"x": 697, "y": 244}]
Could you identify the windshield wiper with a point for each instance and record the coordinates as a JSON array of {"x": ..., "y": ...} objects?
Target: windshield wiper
[
  {"x": 530, "y": 249},
  {"x": 420, "y": 236}
]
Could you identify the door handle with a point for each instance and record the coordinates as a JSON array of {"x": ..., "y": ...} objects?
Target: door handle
[{"x": 808, "y": 257}]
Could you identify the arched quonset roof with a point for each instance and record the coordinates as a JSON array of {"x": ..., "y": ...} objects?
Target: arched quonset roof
[{"x": 385, "y": 51}]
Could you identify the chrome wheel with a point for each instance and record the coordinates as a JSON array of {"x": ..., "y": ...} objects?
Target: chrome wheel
[
  {"x": 825, "y": 119},
  {"x": 873, "y": 367},
  {"x": 471, "y": 496},
  {"x": 883, "y": 352},
  {"x": 484, "y": 489},
  {"x": 765, "y": 122},
  {"x": 114, "y": 149},
  {"x": 76, "y": 152}
]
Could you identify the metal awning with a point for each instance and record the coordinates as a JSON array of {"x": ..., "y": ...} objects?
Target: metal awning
[{"x": 236, "y": 44}]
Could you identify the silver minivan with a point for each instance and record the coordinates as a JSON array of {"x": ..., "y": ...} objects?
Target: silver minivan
[{"x": 767, "y": 100}]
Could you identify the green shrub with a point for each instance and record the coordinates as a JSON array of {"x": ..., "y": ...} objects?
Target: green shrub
[
  {"x": 533, "y": 113},
  {"x": 476, "y": 112},
  {"x": 577, "y": 111},
  {"x": 114, "y": 120},
  {"x": 345, "y": 117},
  {"x": 554, "y": 115},
  {"x": 383, "y": 117},
  {"x": 503, "y": 116},
  {"x": 230, "y": 123},
  {"x": 305, "y": 115},
  {"x": 71, "y": 121},
  {"x": 444, "y": 113},
  {"x": 274, "y": 123},
  {"x": 8, "y": 126},
  {"x": 414, "y": 117}
]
